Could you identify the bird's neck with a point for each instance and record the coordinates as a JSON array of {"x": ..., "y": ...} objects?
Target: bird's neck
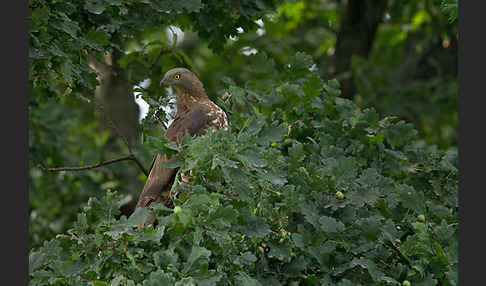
[{"x": 188, "y": 99}]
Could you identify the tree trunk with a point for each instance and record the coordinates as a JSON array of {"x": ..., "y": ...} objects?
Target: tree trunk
[
  {"x": 114, "y": 96},
  {"x": 355, "y": 37}
]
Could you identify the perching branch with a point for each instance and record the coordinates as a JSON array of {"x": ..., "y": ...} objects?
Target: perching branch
[
  {"x": 104, "y": 163},
  {"x": 140, "y": 165}
]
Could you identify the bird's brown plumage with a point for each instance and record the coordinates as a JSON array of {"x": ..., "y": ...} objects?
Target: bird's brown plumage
[{"x": 196, "y": 113}]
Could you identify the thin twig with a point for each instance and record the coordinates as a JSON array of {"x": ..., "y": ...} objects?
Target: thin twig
[
  {"x": 140, "y": 165},
  {"x": 402, "y": 256},
  {"x": 162, "y": 51},
  {"x": 159, "y": 120},
  {"x": 104, "y": 163}
]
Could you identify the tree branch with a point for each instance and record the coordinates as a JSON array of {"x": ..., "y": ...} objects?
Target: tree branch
[
  {"x": 403, "y": 257},
  {"x": 162, "y": 51},
  {"x": 139, "y": 165},
  {"x": 104, "y": 163},
  {"x": 159, "y": 120}
]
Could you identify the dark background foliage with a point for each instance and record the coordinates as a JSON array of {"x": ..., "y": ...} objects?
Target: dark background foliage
[{"x": 384, "y": 134}]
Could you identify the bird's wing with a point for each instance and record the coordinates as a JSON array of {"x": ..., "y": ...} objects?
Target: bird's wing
[
  {"x": 160, "y": 178},
  {"x": 193, "y": 122}
]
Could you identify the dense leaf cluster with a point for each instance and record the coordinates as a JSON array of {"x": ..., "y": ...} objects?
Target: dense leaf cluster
[
  {"x": 304, "y": 189},
  {"x": 451, "y": 8},
  {"x": 410, "y": 70},
  {"x": 63, "y": 33},
  {"x": 64, "y": 130}
]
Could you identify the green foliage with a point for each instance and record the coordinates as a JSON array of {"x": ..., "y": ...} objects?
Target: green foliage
[
  {"x": 63, "y": 33},
  {"x": 306, "y": 188},
  {"x": 263, "y": 210},
  {"x": 450, "y": 7},
  {"x": 411, "y": 70},
  {"x": 63, "y": 130}
]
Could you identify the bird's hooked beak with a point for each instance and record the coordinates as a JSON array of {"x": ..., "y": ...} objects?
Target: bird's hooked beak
[{"x": 164, "y": 80}]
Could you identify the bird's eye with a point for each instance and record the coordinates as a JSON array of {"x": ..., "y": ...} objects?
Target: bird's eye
[{"x": 177, "y": 76}]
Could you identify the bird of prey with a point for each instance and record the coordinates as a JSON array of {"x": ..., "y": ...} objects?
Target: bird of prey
[{"x": 196, "y": 113}]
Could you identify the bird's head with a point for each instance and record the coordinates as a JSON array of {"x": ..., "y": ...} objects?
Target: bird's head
[
  {"x": 186, "y": 83},
  {"x": 180, "y": 77}
]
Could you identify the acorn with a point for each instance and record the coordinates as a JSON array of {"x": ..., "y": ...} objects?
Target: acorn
[
  {"x": 339, "y": 195},
  {"x": 421, "y": 218}
]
